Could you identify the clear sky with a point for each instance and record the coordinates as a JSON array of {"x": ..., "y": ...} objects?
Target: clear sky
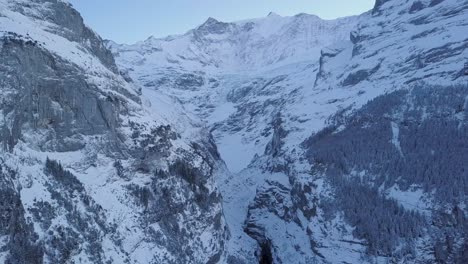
[{"x": 129, "y": 21}]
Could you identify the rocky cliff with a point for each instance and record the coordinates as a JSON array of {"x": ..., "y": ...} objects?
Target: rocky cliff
[{"x": 90, "y": 171}]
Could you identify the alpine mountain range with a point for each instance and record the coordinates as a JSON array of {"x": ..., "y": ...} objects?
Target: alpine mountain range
[{"x": 269, "y": 140}]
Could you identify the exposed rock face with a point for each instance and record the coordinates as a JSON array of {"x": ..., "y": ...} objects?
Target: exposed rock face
[
  {"x": 213, "y": 26},
  {"x": 378, "y": 5},
  {"x": 90, "y": 174},
  {"x": 359, "y": 76},
  {"x": 276, "y": 143},
  {"x": 53, "y": 96},
  {"x": 68, "y": 24}
]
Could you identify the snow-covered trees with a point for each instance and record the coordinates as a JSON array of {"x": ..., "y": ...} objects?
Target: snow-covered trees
[
  {"x": 382, "y": 223},
  {"x": 63, "y": 176},
  {"x": 409, "y": 138},
  {"x": 17, "y": 234}
]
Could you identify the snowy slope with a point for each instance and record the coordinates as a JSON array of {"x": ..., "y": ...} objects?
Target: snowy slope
[
  {"x": 238, "y": 46},
  {"x": 93, "y": 169},
  {"x": 209, "y": 67},
  {"x": 266, "y": 85}
]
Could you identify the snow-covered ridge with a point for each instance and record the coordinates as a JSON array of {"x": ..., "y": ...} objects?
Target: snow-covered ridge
[
  {"x": 31, "y": 20},
  {"x": 241, "y": 46}
]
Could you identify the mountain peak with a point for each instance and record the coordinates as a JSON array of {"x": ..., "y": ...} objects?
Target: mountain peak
[
  {"x": 213, "y": 26},
  {"x": 273, "y": 14},
  {"x": 378, "y": 4},
  {"x": 211, "y": 20}
]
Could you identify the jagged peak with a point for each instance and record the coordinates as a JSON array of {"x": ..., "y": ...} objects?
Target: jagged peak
[
  {"x": 210, "y": 21},
  {"x": 378, "y": 4},
  {"x": 273, "y": 14},
  {"x": 213, "y": 26}
]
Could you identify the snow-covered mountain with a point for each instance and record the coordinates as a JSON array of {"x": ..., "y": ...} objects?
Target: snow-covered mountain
[
  {"x": 213, "y": 67},
  {"x": 240, "y": 46},
  {"x": 92, "y": 168},
  {"x": 340, "y": 141},
  {"x": 280, "y": 92}
]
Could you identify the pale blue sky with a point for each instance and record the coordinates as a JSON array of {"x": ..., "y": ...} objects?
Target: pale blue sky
[{"x": 128, "y": 21}]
